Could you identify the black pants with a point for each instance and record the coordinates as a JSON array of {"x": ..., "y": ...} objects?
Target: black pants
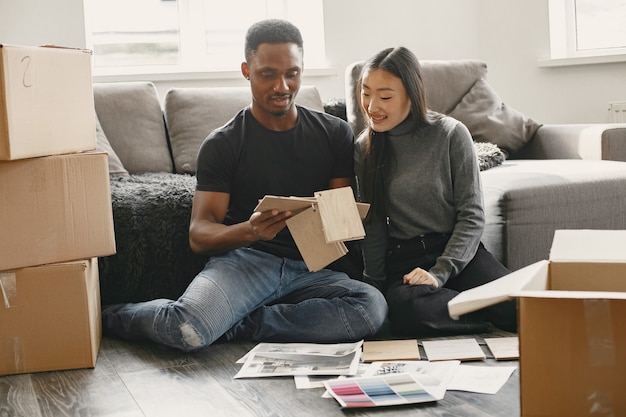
[{"x": 419, "y": 310}]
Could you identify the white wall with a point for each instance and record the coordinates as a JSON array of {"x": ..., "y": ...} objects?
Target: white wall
[
  {"x": 509, "y": 35},
  {"x": 513, "y": 36},
  {"x": 39, "y": 22},
  {"x": 357, "y": 29}
]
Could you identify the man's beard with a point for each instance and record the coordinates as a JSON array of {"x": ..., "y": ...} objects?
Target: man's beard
[{"x": 280, "y": 113}]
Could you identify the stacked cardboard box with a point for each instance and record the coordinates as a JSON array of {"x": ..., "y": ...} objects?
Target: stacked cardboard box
[{"x": 55, "y": 211}]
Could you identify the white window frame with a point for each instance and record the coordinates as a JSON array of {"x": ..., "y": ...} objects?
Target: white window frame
[
  {"x": 563, "y": 49},
  {"x": 191, "y": 26}
]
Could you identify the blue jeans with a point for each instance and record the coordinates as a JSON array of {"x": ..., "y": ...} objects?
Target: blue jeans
[{"x": 249, "y": 294}]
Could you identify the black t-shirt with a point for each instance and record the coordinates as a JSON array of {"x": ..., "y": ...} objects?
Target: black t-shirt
[{"x": 248, "y": 161}]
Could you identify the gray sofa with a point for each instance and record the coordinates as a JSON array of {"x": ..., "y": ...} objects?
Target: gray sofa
[{"x": 152, "y": 145}]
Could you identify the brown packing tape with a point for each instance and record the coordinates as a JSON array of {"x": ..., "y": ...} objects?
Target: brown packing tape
[{"x": 8, "y": 288}]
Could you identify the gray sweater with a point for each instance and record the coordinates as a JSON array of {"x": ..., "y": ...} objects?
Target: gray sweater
[{"x": 434, "y": 186}]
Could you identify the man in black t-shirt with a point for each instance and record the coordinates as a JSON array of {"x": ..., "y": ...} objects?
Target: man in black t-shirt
[{"x": 256, "y": 285}]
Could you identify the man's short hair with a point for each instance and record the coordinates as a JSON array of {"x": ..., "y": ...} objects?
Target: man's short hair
[{"x": 271, "y": 31}]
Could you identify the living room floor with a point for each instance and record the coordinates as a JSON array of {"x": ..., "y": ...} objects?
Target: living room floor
[{"x": 145, "y": 380}]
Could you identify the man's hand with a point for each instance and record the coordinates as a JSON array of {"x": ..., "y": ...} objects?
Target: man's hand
[
  {"x": 266, "y": 225},
  {"x": 418, "y": 276}
]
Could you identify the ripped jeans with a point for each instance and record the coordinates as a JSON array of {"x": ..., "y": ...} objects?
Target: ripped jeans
[{"x": 253, "y": 295}]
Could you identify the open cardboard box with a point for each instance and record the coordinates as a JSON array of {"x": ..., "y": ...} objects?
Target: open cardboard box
[{"x": 571, "y": 312}]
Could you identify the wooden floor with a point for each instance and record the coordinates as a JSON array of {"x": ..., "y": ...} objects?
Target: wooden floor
[{"x": 145, "y": 380}]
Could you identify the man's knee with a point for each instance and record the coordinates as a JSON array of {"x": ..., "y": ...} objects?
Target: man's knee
[{"x": 191, "y": 339}]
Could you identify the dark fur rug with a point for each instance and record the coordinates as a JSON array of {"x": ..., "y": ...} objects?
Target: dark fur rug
[{"x": 151, "y": 215}]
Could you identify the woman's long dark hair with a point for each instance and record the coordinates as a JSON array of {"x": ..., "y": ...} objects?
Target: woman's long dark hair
[{"x": 403, "y": 64}]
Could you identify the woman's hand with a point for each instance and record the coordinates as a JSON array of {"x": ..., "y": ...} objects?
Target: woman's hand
[{"x": 418, "y": 276}]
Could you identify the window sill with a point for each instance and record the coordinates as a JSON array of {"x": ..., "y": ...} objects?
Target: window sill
[
  {"x": 583, "y": 60},
  {"x": 143, "y": 74}
]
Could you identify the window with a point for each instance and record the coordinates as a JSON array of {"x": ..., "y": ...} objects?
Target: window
[
  {"x": 587, "y": 28},
  {"x": 190, "y": 35}
]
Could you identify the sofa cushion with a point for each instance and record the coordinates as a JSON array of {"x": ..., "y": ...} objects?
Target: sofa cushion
[
  {"x": 116, "y": 168},
  {"x": 192, "y": 113},
  {"x": 527, "y": 200},
  {"x": 490, "y": 120},
  {"x": 131, "y": 116},
  {"x": 447, "y": 82}
]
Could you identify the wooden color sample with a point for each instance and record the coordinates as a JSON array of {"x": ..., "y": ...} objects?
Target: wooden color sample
[
  {"x": 306, "y": 229},
  {"x": 340, "y": 216}
]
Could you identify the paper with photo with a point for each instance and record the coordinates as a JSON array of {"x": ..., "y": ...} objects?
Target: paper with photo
[
  {"x": 317, "y": 381},
  {"x": 282, "y": 359}
]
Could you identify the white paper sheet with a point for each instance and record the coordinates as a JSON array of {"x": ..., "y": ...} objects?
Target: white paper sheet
[{"x": 480, "y": 379}]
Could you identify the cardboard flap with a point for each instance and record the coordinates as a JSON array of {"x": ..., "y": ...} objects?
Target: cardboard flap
[
  {"x": 575, "y": 295},
  {"x": 531, "y": 277},
  {"x": 588, "y": 246}
]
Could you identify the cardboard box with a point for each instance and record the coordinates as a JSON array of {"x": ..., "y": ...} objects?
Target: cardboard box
[
  {"x": 50, "y": 317},
  {"x": 55, "y": 209},
  {"x": 572, "y": 335},
  {"x": 46, "y": 101}
]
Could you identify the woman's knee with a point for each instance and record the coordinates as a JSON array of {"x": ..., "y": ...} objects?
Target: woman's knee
[
  {"x": 371, "y": 305},
  {"x": 379, "y": 308}
]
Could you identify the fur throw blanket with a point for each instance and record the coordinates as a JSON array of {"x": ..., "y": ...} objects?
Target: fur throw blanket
[{"x": 488, "y": 154}]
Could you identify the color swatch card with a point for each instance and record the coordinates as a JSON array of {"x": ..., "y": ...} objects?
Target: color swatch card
[
  {"x": 503, "y": 348},
  {"x": 433, "y": 376},
  {"x": 451, "y": 349},
  {"x": 380, "y": 390},
  {"x": 387, "y": 350}
]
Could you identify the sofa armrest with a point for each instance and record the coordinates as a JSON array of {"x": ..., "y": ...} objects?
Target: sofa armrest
[{"x": 577, "y": 141}]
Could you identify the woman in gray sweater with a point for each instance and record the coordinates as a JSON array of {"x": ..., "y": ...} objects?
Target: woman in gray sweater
[{"x": 419, "y": 172}]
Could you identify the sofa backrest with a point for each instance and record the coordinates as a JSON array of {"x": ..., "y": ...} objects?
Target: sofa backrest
[
  {"x": 459, "y": 89},
  {"x": 131, "y": 118},
  {"x": 192, "y": 113},
  {"x": 445, "y": 84},
  {"x": 147, "y": 136}
]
